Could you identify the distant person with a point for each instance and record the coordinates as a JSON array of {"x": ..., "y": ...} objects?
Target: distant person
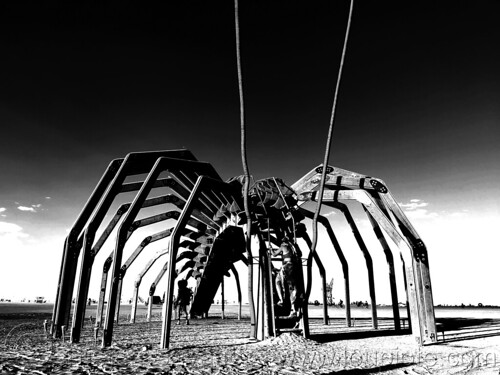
[
  {"x": 279, "y": 283},
  {"x": 289, "y": 277},
  {"x": 184, "y": 296}
]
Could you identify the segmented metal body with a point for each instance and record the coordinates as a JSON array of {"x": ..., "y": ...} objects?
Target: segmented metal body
[{"x": 208, "y": 236}]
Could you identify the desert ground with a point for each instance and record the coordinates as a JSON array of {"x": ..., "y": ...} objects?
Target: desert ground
[{"x": 469, "y": 344}]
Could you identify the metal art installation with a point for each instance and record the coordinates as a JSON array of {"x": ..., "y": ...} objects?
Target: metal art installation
[{"x": 205, "y": 237}]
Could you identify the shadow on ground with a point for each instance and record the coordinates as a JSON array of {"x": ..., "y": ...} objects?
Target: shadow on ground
[
  {"x": 329, "y": 337},
  {"x": 456, "y": 329},
  {"x": 448, "y": 329},
  {"x": 373, "y": 370}
]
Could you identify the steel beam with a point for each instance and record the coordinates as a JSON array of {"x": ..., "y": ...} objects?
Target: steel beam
[
  {"x": 421, "y": 264},
  {"x": 138, "y": 281},
  {"x": 366, "y": 254},
  {"x": 97, "y": 206},
  {"x": 64, "y": 293},
  {"x": 350, "y": 185},
  {"x": 162, "y": 164},
  {"x": 390, "y": 264},
  {"x": 202, "y": 183},
  {"x": 84, "y": 280},
  {"x": 85, "y": 273},
  {"x": 343, "y": 261},
  {"x": 238, "y": 288},
  {"x": 322, "y": 274},
  {"x": 417, "y": 310}
]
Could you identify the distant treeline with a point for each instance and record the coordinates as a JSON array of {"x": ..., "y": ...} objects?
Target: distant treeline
[{"x": 464, "y": 305}]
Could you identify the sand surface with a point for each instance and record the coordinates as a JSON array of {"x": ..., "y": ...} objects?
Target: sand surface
[{"x": 213, "y": 345}]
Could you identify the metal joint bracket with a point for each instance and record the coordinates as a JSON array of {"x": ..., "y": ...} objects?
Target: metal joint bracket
[
  {"x": 146, "y": 241},
  {"x": 309, "y": 195},
  {"x": 379, "y": 187},
  {"x": 329, "y": 169},
  {"x": 152, "y": 289},
  {"x": 107, "y": 264},
  {"x": 419, "y": 251},
  {"x": 419, "y": 244},
  {"x": 123, "y": 208}
]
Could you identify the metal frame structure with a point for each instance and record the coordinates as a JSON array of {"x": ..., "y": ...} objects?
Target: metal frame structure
[
  {"x": 383, "y": 213},
  {"x": 209, "y": 235},
  {"x": 138, "y": 280}
]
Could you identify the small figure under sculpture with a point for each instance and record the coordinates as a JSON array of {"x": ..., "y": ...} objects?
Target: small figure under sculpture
[
  {"x": 184, "y": 296},
  {"x": 288, "y": 286}
]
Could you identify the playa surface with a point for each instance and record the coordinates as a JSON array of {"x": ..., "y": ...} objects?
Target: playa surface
[{"x": 216, "y": 345}]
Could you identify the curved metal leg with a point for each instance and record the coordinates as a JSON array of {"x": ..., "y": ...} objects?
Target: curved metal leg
[
  {"x": 65, "y": 286},
  {"x": 423, "y": 326},
  {"x": 86, "y": 264},
  {"x": 202, "y": 183},
  {"x": 162, "y": 164},
  {"x": 421, "y": 265},
  {"x": 135, "y": 297},
  {"x": 103, "y": 196},
  {"x": 138, "y": 281},
  {"x": 238, "y": 288},
  {"x": 408, "y": 313},
  {"x": 343, "y": 261},
  {"x": 144, "y": 243},
  {"x": 343, "y": 184},
  {"x": 392, "y": 273},
  {"x": 345, "y": 267},
  {"x": 368, "y": 259},
  {"x": 322, "y": 274},
  {"x": 102, "y": 293}
]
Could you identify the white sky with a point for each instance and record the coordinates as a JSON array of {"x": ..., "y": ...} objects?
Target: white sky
[{"x": 462, "y": 245}]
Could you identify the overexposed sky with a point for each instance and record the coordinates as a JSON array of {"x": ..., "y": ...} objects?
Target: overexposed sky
[
  {"x": 418, "y": 108},
  {"x": 461, "y": 247}
]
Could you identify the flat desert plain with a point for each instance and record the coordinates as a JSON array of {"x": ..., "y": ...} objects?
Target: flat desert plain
[{"x": 469, "y": 343}]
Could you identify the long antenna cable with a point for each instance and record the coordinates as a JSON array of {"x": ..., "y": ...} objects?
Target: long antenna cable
[
  {"x": 329, "y": 140},
  {"x": 246, "y": 173}
]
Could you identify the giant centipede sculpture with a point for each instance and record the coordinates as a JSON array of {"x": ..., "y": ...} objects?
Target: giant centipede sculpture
[{"x": 208, "y": 236}]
